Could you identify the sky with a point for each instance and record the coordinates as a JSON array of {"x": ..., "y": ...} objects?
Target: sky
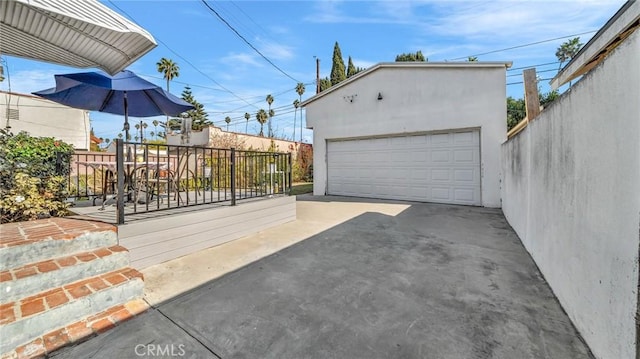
[{"x": 230, "y": 78}]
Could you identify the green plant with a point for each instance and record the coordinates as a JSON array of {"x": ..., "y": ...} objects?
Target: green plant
[
  {"x": 301, "y": 189},
  {"x": 303, "y": 164},
  {"x": 33, "y": 172},
  {"x": 33, "y": 198}
]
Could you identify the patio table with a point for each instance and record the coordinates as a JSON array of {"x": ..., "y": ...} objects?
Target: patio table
[{"x": 110, "y": 171}]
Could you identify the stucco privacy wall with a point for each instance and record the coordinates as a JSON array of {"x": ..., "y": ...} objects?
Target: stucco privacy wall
[
  {"x": 572, "y": 193},
  {"x": 417, "y": 98}
]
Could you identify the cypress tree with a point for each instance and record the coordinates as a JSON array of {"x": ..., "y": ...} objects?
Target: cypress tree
[
  {"x": 351, "y": 68},
  {"x": 338, "y": 72}
]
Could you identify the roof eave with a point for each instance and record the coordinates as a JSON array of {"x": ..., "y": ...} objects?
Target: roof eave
[
  {"x": 613, "y": 33},
  {"x": 485, "y": 64}
]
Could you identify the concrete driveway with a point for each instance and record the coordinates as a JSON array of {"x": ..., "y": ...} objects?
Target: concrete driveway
[{"x": 421, "y": 281}]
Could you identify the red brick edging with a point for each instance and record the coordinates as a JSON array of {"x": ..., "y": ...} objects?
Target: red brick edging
[
  {"x": 79, "y": 331},
  {"x": 21, "y": 233},
  {"x": 58, "y": 263}
]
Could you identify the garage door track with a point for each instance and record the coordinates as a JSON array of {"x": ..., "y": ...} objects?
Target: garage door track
[{"x": 435, "y": 281}]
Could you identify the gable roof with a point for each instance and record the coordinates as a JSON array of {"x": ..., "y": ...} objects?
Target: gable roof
[
  {"x": 613, "y": 33},
  {"x": 402, "y": 65}
]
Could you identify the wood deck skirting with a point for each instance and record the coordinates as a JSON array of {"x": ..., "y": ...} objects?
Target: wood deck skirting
[{"x": 157, "y": 240}]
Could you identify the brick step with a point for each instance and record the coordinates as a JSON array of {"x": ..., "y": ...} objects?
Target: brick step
[
  {"x": 24, "y": 320},
  {"x": 30, "y": 279},
  {"x": 79, "y": 331},
  {"x": 22, "y": 243}
]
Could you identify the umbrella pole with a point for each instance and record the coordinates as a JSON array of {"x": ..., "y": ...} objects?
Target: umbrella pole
[
  {"x": 126, "y": 117},
  {"x": 128, "y": 147}
]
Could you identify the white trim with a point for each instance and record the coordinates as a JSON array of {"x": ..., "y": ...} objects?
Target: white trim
[{"x": 474, "y": 64}]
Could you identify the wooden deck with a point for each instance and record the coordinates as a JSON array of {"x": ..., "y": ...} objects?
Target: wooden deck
[{"x": 158, "y": 236}]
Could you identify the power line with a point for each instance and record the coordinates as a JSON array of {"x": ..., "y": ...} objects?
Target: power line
[
  {"x": 245, "y": 40},
  {"x": 538, "y": 72},
  {"x": 257, "y": 102},
  {"x": 187, "y": 61},
  {"x": 239, "y": 120},
  {"x": 521, "y": 82},
  {"x": 520, "y": 46},
  {"x": 253, "y": 21},
  {"x": 530, "y": 66}
]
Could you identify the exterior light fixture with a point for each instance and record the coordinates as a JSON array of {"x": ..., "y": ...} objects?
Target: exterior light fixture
[
  {"x": 350, "y": 98},
  {"x": 379, "y": 96}
]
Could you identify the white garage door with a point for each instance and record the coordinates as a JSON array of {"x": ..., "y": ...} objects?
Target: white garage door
[{"x": 438, "y": 167}]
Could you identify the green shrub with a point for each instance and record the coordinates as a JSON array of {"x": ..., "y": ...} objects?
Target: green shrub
[{"x": 33, "y": 172}]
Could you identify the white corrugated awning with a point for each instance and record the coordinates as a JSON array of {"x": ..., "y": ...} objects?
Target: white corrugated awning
[{"x": 77, "y": 33}]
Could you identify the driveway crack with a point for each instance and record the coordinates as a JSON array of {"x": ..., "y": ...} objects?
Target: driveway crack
[{"x": 189, "y": 334}]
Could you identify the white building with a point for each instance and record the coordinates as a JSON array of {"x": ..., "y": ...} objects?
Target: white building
[
  {"x": 44, "y": 118},
  {"x": 419, "y": 131}
]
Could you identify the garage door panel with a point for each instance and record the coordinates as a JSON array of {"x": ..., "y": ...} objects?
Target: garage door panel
[
  {"x": 464, "y": 175},
  {"x": 419, "y": 174},
  {"x": 464, "y": 195},
  {"x": 438, "y": 174},
  {"x": 464, "y": 137},
  {"x": 440, "y": 140},
  {"x": 441, "y": 167},
  {"x": 463, "y": 155},
  {"x": 440, "y": 156},
  {"x": 441, "y": 194},
  {"x": 418, "y": 192}
]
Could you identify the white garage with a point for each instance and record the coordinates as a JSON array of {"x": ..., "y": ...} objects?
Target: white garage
[
  {"x": 438, "y": 167},
  {"x": 428, "y": 132}
]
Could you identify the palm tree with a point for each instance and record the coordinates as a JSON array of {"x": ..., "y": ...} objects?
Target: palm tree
[
  {"x": 270, "y": 101},
  {"x": 143, "y": 127},
  {"x": 247, "y": 116},
  {"x": 169, "y": 69},
  {"x": 155, "y": 127},
  {"x": 228, "y": 121},
  {"x": 300, "y": 90},
  {"x": 296, "y": 104},
  {"x": 261, "y": 117},
  {"x": 137, "y": 130}
]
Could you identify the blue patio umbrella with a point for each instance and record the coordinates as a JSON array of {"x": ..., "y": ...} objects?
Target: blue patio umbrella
[{"x": 123, "y": 94}]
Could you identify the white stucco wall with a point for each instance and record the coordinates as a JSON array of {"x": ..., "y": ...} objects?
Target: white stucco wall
[
  {"x": 44, "y": 118},
  {"x": 572, "y": 193},
  {"x": 424, "y": 98}
]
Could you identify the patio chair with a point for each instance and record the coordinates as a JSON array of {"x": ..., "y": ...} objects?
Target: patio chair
[
  {"x": 158, "y": 181},
  {"x": 186, "y": 173}
]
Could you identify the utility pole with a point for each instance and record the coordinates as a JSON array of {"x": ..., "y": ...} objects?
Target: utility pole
[
  {"x": 317, "y": 75},
  {"x": 531, "y": 99}
]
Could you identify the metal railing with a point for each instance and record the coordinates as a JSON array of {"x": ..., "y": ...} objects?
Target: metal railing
[{"x": 141, "y": 177}]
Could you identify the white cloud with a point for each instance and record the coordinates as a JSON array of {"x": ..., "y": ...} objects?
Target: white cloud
[
  {"x": 235, "y": 59},
  {"x": 363, "y": 63},
  {"x": 330, "y": 12},
  {"x": 27, "y": 81},
  {"x": 511, "y": 22},
  {"x": 274, "y": 51},
  {"x": 474, "y": 26}
]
